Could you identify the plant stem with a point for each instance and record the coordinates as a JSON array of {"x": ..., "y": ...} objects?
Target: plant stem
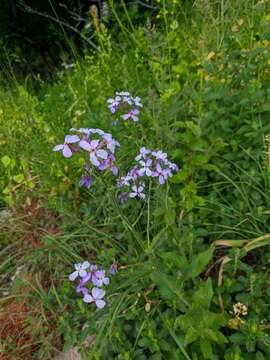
[{"x": 148, "y": 215}]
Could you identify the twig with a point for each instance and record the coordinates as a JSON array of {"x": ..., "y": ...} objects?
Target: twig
[{"x": 68, "y": 26}]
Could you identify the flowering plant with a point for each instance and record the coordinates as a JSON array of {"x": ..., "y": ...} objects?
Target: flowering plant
[
  {"x": 125, "y": 104},
  {"x": 149, "y": 164},
  {"x": 93, "y": 279},
  {"x": 97, "y": 145}
]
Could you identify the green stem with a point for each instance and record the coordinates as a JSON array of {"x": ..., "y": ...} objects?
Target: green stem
[{"x": 148, "y": 215}]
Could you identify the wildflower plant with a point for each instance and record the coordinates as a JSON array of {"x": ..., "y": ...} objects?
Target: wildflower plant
[
  {"x": 125, "y": 106},
  {"x": 98, "y": 147},
  {"x": 91, "y": 282},
  {"x": 149, "y": 165}
]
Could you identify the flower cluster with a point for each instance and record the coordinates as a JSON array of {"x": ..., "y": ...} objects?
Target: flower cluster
[
  {"x": 97, "y": 145},
  {"x": 91, "y": 282},
  {"x": 127, "y": 105},
  {"x": 238, "y": 310},
  {"x": 153, "y": 164}
]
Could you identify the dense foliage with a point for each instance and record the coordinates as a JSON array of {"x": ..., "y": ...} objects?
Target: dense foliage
[{"x": 192, "y": 257}]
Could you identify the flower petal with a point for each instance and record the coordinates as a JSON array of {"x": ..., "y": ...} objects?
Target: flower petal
[
  {"x": 94, "y": 144},
  {"x": 69, "y": 139},
  {"x": 73, "y": 276},
  {"x": 114, "y": 170},
  {"x": 102, "y": 154},
  {"x": 85, "y": 145},
  {"x": 85, "y": 265},
  {"x": 126, "y": 116},
  {"x": 82, "y": 273},
  {"x": 88, "y": 298},
  {"x": 94, "y": 159},
  {"x": 100, "y": 304},
  {"x": 58, "y": 147},
  {"x": 67, "y": 152},
  {"x": 98, "y": 293}
]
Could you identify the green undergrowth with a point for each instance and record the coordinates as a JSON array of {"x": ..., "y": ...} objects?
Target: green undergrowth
[{"x": 200, "y": 244}]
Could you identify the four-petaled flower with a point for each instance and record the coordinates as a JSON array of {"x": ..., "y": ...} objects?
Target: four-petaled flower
[
  {"x": 80, "y": 270},
  {"x": 143, "y": 153},
  {"x": 113, "y": 104},
  {"x": 133, "y": 114},
  {"x": 162, "y": 174},
  {"x": 67, "y": 151},
  {"x": 137, "y": 191},
  {"x": 96, "y": 297},
  {"x": 145, "y": 167},
  {"x": 100, "y": 278},
  {"x": 109, "y": 163}
]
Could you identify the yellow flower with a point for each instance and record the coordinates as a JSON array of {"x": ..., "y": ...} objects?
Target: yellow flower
[{"x": 235, "y": 323}]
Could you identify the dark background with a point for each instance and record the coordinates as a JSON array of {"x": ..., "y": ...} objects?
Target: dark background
[{"x": 37, "y": 36}]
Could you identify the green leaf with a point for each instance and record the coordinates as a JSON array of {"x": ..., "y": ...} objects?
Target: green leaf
[
  {"x": 203, "y": 296},
  {"x": 168, "y": 287},
  {"x": 6, "y": 190},
  {"x": 164, "y": 284},
  {"x": 206, "y": 348},
  {"x": 18, "y": 178},
  {"x": 199, "y": 264},
  {"x": 191, "y": 336},
  {"x": 6, "y": 161},
  {"x": 199, "y": 160}
]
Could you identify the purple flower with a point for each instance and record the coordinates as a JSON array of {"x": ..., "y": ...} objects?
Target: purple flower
[
  {"x": 173, "y": 166},
  {"x": 110, "y": 142},
  {"x": 81, "y": 289},
  {"x": 143, "y": 153},
  {"x": 80, "y": 270},
  {"x": 100, "y": 278},
  {"x": 123, "y": 197},
  {"x": 160, "y": 155},
  {"x": 94, "y": 152},
  {"x": 67, "y": 151},
  {"x": 133, "y": 174},
  {"x": 126, "y": 103},
  {"x": 137, "y": 191},
  {"x": 137, "y": 101},
  {"x": 86, "y": 180},
  {"x": 145, "y": 167},
  {"x": 96, "y": 297},
  {"x": 97, "y": 131},
  {"x": 127, "y": 99},
  {"x": 162, "y": 174},
  {"x": 113, "y": 104},
  {"x": 113, "y": 269},
  {"x": 109, "y": 163},
  {"x": 133, "y": 114}
]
